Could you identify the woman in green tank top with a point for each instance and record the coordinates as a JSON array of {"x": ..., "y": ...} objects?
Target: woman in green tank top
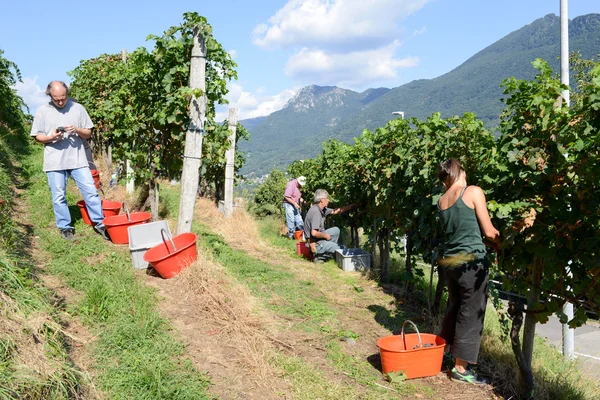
[{"x": 465, "y": 221}]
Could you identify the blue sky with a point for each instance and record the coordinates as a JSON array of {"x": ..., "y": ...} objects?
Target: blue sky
[{"x": 279, "y": 45}]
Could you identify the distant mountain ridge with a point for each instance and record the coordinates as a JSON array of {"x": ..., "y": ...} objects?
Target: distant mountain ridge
[
  {"x": 318, "y": 113},
  {"x": 294, "y": 130},
  {"x": 252, "y": 122}
]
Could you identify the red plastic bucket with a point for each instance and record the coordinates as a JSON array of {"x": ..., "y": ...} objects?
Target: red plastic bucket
[
  {"x": 96, "y": 176},
  {"x": 117, "y": 225},
  {"x": 417, "y": 355},
  {"x": 109, "y": 208},
  {"x": 303, "y": 249},
  {"x": 170, "y": 257}
]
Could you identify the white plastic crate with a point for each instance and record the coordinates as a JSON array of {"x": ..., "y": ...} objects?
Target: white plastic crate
[
  {"x": 353, "y": 259},
  {"x": 142, "y": 238}
]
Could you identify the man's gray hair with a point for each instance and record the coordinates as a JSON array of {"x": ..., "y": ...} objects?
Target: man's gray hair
[{"x": 320, "y": 194}]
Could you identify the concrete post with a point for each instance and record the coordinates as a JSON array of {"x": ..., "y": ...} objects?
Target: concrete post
[
  {"x": 130, "y": 186},
  {"x": 568, "y": 335},
  {"x": 230, "y": 163},
  {"x": 130, "y": 181},
  {"x": 192, "y": 156}
]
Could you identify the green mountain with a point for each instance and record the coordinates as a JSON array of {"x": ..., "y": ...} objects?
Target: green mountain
[
  {"x": 250, "y": 123},
  {"x": 293, "y": 131},
  {"x": 319, "y": 113}
]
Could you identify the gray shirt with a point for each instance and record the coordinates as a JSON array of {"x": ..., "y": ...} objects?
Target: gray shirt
[
  {"x": 315, "y": 219},
  {"x": 67, "y": 153}
]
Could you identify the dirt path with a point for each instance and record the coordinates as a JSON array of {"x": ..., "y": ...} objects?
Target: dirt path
[{"x": 223, "y": 336}]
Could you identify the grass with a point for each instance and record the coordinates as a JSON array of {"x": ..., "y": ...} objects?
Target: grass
[
  {"x": 284, "y": 294},
  {"x": 555, "y": 377},
  {"x": 305, "y": 308},
  {"x": 276, "y": 286},
  {"x": 134, "y": 356},
  {"x": 34, "y": 358}
]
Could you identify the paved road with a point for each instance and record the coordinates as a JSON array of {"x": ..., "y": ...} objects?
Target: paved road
[{"x": 587, "y": 343}]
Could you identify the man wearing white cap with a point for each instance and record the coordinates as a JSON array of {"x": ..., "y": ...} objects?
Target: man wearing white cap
[{"x": 292, "y": 198}]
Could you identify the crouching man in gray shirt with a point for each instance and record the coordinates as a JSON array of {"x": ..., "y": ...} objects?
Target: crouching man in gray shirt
[
  {"x": 326, "y": 240},
  {"x": 62, "y": 125}
]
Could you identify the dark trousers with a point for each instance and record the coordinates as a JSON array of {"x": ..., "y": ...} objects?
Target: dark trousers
[{"x": 462, "y": 326}]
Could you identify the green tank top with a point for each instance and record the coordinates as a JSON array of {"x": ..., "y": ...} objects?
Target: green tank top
[{"x": 462, "y": 234}]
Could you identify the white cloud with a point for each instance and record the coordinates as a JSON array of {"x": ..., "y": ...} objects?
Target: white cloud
[
  {"x": 335, "y": 24},
  {"x": 420, "y": 31},
  {"x": 348, "y": 43},
  {"x": 233, "y": 54},
  {"x": 251, "y": 105},
  {"x": 31, "y": 93},
  {"x": 354, "y": 70}
]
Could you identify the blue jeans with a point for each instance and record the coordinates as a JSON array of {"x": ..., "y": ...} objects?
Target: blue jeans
[
  {"x": 57, "y": 182},
  {"x": 327, "y": 248},
  {"x": 293, "y": 219}
]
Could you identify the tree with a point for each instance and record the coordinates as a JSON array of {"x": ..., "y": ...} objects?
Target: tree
[
  {"x": 268, "y": 200},
  {"x": 143, "y": 103},
  {"x": 213, "y": 158},
  {"x": 391, "y": 175},
  {"x": 546, "y": 200},
  {"x": 541, "y": 178},
  {"x": 12, "y": 118}
]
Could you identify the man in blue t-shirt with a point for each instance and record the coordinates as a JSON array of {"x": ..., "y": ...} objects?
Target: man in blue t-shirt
[{"x": 62, "y": 125}]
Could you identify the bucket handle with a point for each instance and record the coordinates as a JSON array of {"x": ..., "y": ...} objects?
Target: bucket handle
[
  {"x": 102, "y": 191},
  {"x": 163, "y": 233},
  {"x": 127, "y": 212},
  {"x": 416, "y": 330}
]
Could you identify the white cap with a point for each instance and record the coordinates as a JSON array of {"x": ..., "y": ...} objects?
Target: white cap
[{"x": 301, "y": 180}]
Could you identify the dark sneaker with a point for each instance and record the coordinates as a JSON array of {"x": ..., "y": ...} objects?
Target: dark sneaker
[
  {"x": 469, "y": 377},
  {"x": 68, "y": 234},
  {"x": 101, "y": 229}
]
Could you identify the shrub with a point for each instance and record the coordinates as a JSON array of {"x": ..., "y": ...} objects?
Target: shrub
[{"x": 269, "y": 196}]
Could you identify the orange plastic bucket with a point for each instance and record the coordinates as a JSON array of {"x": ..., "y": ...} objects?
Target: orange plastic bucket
[
  {"x": 96, "y": 176},
  {"x": 109, "y": 208},
  {"x": 298, "y": 235},
  {"x": 417, "y": 355},
  {"x": 117, "y": 225},
  {"x": 170, "y": 257}
]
